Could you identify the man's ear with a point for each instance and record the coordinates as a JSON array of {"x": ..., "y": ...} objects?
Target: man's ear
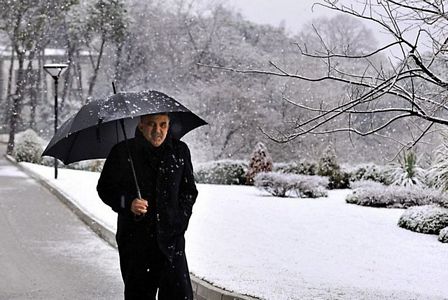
[{"x": 140, "y": 126}]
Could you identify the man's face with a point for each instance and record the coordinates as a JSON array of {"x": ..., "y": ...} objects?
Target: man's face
[{"x": 154, "y": 128}]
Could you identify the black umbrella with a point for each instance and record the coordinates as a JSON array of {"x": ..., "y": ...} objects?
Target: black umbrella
[
  {"x": 99, "y": 125},
  {"x": 95, "y": 128}
]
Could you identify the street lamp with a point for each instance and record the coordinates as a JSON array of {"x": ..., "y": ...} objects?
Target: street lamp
[{"x": 55, "y": 71}]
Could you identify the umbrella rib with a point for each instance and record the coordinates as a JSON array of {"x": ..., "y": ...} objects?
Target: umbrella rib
[
  {"x": 71, "y": 148},
  {"x": 116, "y": 131}
]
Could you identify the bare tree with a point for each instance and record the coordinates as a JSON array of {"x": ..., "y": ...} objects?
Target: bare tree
[
  {"x": 410, "y": 88},
  {"x": 26, "y": 23},
  {"x": 106, "y": 23}
]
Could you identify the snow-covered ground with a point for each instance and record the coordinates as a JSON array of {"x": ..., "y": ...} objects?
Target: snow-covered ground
[{"x": 275, "y": 248}]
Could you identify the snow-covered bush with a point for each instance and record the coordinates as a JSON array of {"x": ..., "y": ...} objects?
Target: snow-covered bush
[
  {"x": 361, "y": 188},
  {"x": 339, "y": 180},
  {"x": 260, "y": 161},
  {"x": 277, "y": 184},
  {"x": 367, "y": 184},
  {"x": 221, "y": 172},
  {"x": 309, "y": 186},
  {"x": 426, "y": 219},
  {"x": 407, "y": 172},
  {"x": 94, "y": 165},
  {"x": 369, "y": 172},
  {"x": 438, "y": 172},
  {"x": 283, "y": 185},
  {"x": 372, "y": 194},
  {"x": 443, "y": 235},
  {"x": 444, "y": 202},
  {"x": 302, "y": 167},
  {"x": 29, "y": 147},
  {"x": 328, "y": 164}
]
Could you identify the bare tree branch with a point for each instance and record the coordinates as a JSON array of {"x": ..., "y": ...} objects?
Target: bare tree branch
[{"x": 410, "y": 86}]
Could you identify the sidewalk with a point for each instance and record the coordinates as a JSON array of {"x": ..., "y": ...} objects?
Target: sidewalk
[
  {"x": 47, "y": 252},
  {"x": 202, "y": 289}
]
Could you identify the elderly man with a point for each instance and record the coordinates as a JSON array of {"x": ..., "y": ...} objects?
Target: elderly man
[{"x": 150, "y": 229}]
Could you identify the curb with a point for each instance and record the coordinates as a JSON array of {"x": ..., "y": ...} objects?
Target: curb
[{"x": 202, "y": 289}]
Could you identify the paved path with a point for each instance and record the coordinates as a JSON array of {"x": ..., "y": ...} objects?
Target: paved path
[{"x": 46, "y": 252}]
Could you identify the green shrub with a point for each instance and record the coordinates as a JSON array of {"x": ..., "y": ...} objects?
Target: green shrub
[
  {"x": 425, "y": 219},
  {"x": 407, "y": 171},
  {"x": 369, "y": 172},
  {"x": 29, "y": 147},
  {"x": 339, "y": 180},
  {"x": 303, "y": 167},
  {"x": 328, "y": 164},
  {"x": 221, "y": 172}
]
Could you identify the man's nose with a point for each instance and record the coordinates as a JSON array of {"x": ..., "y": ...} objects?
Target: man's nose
[{"x": 156, "y": 128}]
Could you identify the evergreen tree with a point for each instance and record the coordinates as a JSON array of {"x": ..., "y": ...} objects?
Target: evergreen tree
[{"x": 260, "y": 161}]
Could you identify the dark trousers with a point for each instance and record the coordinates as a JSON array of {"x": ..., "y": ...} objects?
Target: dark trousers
[{"x": 146, "y": 271}]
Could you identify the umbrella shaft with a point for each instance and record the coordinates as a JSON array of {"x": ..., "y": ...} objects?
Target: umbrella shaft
[{"x": 131, "y": 162}]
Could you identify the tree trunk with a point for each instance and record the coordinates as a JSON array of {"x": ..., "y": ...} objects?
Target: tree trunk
[
  {"x": 78, "y": 71},
  {"x": 68, "y": 78},
  {"x": 36, "y": 95},
  {"x": 117, "y": 71},
  {"x": 67, "y": 83},
  {"x": 29, "y": 85},
  {"x": 17, "y": 101},
  {"x": 96, "y": 69},
  {"x": 33, "y": 103},
  {"x": 7, "y": 112}
]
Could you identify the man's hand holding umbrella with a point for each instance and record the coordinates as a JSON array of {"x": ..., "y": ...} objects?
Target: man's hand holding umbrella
[{"x": 139, "y": 206}]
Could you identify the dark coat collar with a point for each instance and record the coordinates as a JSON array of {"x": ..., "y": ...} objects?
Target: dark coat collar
[{"x": 147, "y": 146}]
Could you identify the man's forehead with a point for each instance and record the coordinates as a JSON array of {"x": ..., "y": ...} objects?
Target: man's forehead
[{"x": 155, "y": 117}]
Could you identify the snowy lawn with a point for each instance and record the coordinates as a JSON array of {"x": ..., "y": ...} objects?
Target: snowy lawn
[{"x": 288, "y": 248}]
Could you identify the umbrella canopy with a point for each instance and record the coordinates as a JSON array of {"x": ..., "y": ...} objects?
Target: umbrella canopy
[{"x": 96, "y": 128}]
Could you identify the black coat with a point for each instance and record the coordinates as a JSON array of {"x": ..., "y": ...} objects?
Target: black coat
[
  {"x": 165, "y": 176},
  {"x": 152, "y": 249}
]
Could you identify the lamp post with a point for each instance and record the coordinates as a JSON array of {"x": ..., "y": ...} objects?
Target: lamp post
[{"x": 55, "y": 71}]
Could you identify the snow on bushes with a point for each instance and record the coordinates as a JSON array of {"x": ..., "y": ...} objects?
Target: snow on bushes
[
  {"x": 368, "y": 193},
  {"x": 444, "y": 202},
  {"x": 438, "y": 173},
  {"x": 369, "y": 172},
  {"x": 221, "y": 172},
  {"x": 260, "y": 161},
  {"x": 425, "y": 219},
  {"x": 407, "y": 171},
  {"x": 328, "y": 166},
  {"x": 443, "y": 235},
  {"x": 93, "y": 165},
  {"x": 303, "y": 167},
  {"x": 311, "y": 186},
  {"x": 284, "y": 185},
  {"x": 339, "y": 180},
  {"x": 29, "y": 147},
  {"x": 367, "y": 184}
]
